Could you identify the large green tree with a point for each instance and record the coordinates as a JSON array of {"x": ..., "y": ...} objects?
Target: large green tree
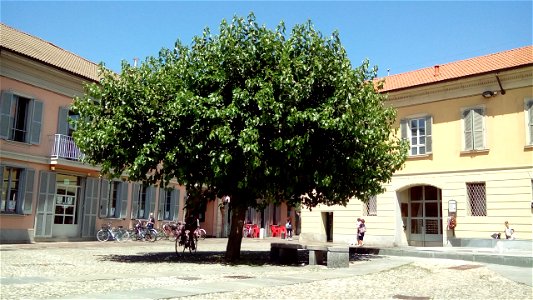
[{"x": 256, "y": 114}]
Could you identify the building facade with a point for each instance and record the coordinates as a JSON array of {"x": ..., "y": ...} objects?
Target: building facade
[
  {"x": 470, "y": 128},
  {"x": 47, "y": 193}
]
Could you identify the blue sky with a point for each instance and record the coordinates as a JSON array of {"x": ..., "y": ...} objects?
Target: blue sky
[{"x": 397, "y": 35}]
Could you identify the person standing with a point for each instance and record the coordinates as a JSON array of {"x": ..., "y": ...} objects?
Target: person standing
[
  {"x": 357, "y": 224},
  {"x": 288, "y": 226},
  {"x": 508, "y": 231},
  {"x": 361, "y": 233}
]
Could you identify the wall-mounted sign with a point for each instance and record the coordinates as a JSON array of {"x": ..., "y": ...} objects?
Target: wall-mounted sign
[{"x": 452, "y": 206}]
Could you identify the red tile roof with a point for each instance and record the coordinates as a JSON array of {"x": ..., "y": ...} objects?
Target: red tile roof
[
  {"x": 48, "y": 53},
  {"x": 463, "y": 68}
]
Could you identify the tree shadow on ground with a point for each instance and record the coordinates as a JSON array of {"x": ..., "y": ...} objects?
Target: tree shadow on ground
[{"x": 252, "y": 258}]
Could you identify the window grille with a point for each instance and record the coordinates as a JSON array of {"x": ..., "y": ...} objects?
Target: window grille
[
  {"x": 370, "y": 208},
  {"x": 477, "y": 199}
]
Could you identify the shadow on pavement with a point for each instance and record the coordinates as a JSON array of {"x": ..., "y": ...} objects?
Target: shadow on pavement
[{"x": 251, "y": 258}]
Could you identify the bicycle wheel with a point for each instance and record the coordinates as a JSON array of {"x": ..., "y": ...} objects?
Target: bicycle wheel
[
  {"x": 150, "y": 235},
  {"x": 122, "y": 235},
  {"x": 202, "y": 234},
  {"x": 195, "y": 244},
  {"x": 102, "y": 235}
]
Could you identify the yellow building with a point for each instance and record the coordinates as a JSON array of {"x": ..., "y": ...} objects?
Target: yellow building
[{"x": 470, "y": 128}]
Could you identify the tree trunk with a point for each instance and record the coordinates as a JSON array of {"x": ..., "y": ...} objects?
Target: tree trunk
[{"x": 233, "y": 248}]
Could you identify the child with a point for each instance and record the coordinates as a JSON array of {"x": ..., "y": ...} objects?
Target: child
[
  {"x": 361, "y": 233},
  {"x": 288, "y": 226}
]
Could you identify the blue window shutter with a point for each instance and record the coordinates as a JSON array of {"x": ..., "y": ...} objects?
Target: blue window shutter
[
  {"x": 29, "y": 175},
  {"x": 429, "y": 140},
  {"x": 6, "y": 115},
  {"x": 175, "y": 205},
  {"x": 62, "y": 123},
  {"x": 135, "y": 201},
  {"x": 161, "y": 203},
  {"x": 36, "y": 122},
  {"x": 123, "y": 199},
  {"x": 104, "y": 197},
  {"x": 151, "y": 206}
]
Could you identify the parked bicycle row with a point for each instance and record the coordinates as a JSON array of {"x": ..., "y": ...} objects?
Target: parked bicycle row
[{"x": 182, "y": 234}]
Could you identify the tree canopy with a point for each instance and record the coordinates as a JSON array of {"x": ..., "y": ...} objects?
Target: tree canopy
[{"x": 253, "y": 113}]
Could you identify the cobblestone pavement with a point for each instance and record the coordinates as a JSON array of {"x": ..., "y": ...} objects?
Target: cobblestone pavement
[{"x": 141, "y": 270}]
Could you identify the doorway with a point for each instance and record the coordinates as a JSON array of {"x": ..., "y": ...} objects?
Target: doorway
[
  {"x": 422, "y": 216},
  {"x": 327, "y": 218}
]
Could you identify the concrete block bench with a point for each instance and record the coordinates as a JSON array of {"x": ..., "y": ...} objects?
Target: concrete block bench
[
  {"x": 334, "y": 256},
  {"x": 285, "y": 253}
]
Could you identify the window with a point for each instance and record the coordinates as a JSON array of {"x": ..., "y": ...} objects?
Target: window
[
  {"x": 143, "y": 201},
  {"x": 477, "y": 201},
  {"x": 474, "y": 129},
  {"x": 168, "y": 204},
  {"x": 66, "y": 121},
  {"x": 418, "y": 132},
  {"x": 113, "y": 199},
  {"x": 529, "y": 121},
  {"x": 370, "y": 208},
  {"x": 17, "y": 190},
  {"x": 20, "y": 118}
]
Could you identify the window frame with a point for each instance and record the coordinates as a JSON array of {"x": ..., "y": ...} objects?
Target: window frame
[
  {"x": 528, "y": 115},
  {"x": 406, "y": 134},
  {"x": 24, "y": 192},
  {"x": 33, "y": 117},
  {"x": 370, "y": 208},
  {"x": 470, "y": 202},
  {"x": 483, "y": 134}
]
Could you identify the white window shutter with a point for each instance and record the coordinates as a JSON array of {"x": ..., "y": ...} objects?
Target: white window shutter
[
  {"x": 479, "y": 140},
  {"x": 429, "y": 140},
  {"x": 104, "y": 197},
  {"x": 123, "y": 199},
  {"x": 468, "y": 134}
]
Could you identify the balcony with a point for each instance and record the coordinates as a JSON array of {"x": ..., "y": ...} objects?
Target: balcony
[{"x": 63, "y": 147}]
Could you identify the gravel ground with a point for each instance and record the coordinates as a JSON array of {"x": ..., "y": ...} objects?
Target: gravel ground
[{"x": 72, "y": 270}]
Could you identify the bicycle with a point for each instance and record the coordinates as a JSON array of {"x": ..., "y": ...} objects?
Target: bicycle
[
  {"x": 185, "y": 239},
  {"x": 107, "y": 232},
  {"x": 200, "y": 233},
  {"x": 142, "y": 233}
]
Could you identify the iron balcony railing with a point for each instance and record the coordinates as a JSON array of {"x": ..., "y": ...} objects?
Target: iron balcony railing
[{"x": 63, "y": 146}]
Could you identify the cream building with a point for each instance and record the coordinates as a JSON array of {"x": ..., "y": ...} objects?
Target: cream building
[{"x": 470, "y": 128}]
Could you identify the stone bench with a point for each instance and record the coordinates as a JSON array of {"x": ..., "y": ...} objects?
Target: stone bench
[
  {"x": 334, "y": 256},
  {"x": 285, "y": 253}
]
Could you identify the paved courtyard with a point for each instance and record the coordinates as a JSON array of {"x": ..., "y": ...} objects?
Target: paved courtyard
[{"x": 142, "y": 270}]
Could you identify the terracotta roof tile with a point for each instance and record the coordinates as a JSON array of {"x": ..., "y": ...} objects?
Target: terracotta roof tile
[
  {"x": 463, "y": 68},
  {"x": 38, "y": 49}
]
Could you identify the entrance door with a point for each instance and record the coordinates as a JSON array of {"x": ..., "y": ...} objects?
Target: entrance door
[
  {"x": 424, "y": 219},
  {"x": 66, "y": 201}
]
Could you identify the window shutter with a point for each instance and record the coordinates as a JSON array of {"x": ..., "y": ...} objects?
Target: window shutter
[
  {"x": 467, "y": 117},
  {"x": 124, "y": 199},
  {"x": 62, "y": 123},
  {"x": 29, "y": 175},
  {"x": 150, "y": 198},
  {"x": 530, "y": 112},
  {"x": 6, "y": 116},
  {"x": 175, "y": 205},
  {"x": 429, "y": 140},
  {"x": 104, "y": 197},
  {"x": 36, "y": 122},
  {"x": 479, "y": 142},
  {"x": 161, "y": 204},
  {"x": 403, "y": 129},
  {"x": 135, "y": 201}
]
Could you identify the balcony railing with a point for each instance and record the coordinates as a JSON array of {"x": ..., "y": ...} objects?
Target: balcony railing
[{"x": 63, "y": 146}]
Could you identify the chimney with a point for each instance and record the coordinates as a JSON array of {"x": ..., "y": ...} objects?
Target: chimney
[{"x": 437, "y": 71}]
